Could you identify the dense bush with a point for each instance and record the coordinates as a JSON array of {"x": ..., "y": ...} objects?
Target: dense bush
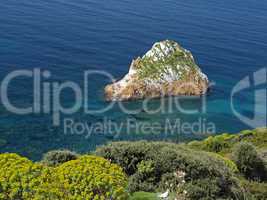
[
  {"x": 91, "y": 177},
  {"x": 88, "y": 177},
  {"x": 257, "y": 190},
  {"x": 249, "y": 162},
  {"x": 204, "y": 189},
  {"x": 229, "y": 163},
  {"x": 22, "y": 179},
  {"x": 149, "y": 163},
  {"x": 57, "y": 157}
]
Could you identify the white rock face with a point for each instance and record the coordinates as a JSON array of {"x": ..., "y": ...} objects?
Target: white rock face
[
  {"x": 160, "y": 50},
  {"x": 166, "y": 69},
  {"x": 126, "y": 80}
]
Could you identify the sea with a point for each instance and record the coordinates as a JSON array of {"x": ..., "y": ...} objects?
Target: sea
[{"x": 81, "y": 43}]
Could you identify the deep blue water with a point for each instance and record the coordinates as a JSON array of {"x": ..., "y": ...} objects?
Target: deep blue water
[{"x": 227, "y": 38}]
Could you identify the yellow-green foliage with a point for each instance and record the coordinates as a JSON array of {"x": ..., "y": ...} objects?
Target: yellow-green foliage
[
  {"x": 92, "y": 177},
  {"x": 22, "y": 179},
  {"x": 257, "y": 137},
  {"x": 217, "y": 143},
  {"x": 229, "y": 163},
  {"x": 145, "y": 167},
  {"x": 224, "y": 143},
  {"x": 89, "y": 178}
]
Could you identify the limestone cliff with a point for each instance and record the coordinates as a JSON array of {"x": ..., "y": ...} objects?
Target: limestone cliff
[{"x": 165, "y": 70}]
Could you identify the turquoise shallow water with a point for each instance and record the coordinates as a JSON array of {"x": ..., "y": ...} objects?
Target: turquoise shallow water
[{"x": 67, "y": 37}]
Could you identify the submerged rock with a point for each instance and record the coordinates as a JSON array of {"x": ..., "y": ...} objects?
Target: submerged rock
[{"x": 165, "y": 70}]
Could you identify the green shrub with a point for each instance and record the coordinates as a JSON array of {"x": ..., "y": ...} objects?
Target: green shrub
[
  {"x": 204, "y": 189},
  {"x": 160, "y": 159},
  {"x": 88, "y": 177},
  {"x": 22, "y": 179},
  {"x": 145, "y": 167},
  {"x": 229, "y": 163},
  {"x": 257, "y": 190},
  {"x": 140, "y": 182},
  {"x": 57, "y": 157},
  {"x": 216, "y": 143},
  {"x": 91, "y": 177},
  {"x": 249, "y": 161}
]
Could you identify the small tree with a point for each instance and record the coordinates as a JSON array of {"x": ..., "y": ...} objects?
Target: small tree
[{"x": 249, "y": 162}]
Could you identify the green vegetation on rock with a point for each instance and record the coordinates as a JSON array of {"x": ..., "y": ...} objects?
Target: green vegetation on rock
[
  {"x": 166, "y": 69},
  {"x": 178, "y": 61}
]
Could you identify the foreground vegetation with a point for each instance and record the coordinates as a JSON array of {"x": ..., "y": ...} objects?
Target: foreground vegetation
[
  {"x": 219, "y": 167},
  {"x": 88, "y": 177}
]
